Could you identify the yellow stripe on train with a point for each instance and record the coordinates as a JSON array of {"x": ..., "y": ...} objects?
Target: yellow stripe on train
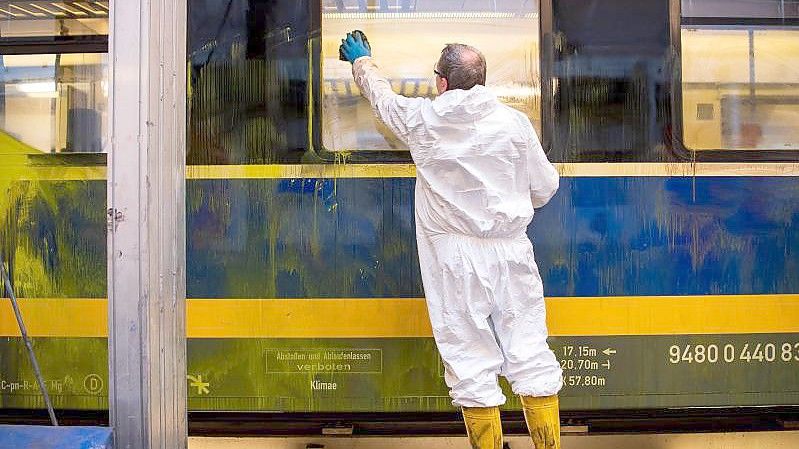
[
  {"x": 353, "y": 171},
  {"x": 399, "y": 318}
]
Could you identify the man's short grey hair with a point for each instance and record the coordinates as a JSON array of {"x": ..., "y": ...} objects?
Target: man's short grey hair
[{"x": 463, "y": 66}]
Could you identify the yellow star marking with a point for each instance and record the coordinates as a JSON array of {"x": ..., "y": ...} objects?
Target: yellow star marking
[{"x": 197, "y": 382}]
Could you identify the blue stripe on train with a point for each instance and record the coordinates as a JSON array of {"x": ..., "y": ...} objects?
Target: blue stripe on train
[{"x": 599, "y": 236}]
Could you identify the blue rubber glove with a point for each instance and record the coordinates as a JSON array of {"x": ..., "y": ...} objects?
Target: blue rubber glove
[{"x": 353, "y": 47}]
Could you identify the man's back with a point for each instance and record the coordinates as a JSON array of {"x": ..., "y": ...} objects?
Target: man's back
[{"x": 475, "y": 157}]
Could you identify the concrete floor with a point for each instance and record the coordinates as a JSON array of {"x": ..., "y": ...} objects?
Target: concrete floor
[{"x": 749, "y": 440}]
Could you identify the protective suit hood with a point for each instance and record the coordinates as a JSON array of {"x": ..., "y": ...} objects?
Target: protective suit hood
[{"x": 460, "y": 105}]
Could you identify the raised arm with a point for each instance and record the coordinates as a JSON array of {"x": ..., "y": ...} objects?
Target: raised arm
[{"x": 400, "y": 114}]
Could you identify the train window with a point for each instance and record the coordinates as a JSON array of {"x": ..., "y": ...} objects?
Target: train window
[
  {"x": 609, "y": 87},
  {"x": 407, "y": 38},
  {"x": 251, "y": 80},
  {"x": 740, "y": 85},
  {"x": 55, "y": 102},
  {"x": 53, "y": 95}
]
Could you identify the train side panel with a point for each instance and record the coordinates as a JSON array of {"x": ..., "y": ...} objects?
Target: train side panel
[{"x": 305, "y": 295}]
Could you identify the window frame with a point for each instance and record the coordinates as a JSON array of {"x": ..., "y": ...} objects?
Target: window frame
[{"x": 678, "y": 147}]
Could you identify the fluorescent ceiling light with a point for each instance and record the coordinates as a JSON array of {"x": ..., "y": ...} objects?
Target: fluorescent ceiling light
[{"x": 36, "y": 88}]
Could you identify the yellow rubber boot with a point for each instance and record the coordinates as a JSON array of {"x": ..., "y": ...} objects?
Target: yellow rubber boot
[
  {"x": 543, "y": 421},
  {"x": 483, "y": 426}
]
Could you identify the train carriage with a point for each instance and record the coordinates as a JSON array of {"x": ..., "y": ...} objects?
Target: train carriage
[{"x": 668, "y": 255}]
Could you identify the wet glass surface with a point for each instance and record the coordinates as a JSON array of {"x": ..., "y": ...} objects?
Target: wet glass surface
[
  {"x": 740, "y": 88},
  {"x": 741, "y": 8},
  {"x": 267, "y": 85},
  {"x": 35, "y": 18},
  {"x": 610, "y": 81},
  {"x": 406, "y": 40},
  {"x": 55, "y": 103},
  {"x": 740, "y": 83},
  {"x": 249, "y": 81}
]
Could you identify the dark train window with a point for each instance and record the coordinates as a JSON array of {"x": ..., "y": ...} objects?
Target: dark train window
[
  {"x": 267, "y": 86},
  {"x": 250, "y": 82},
  {"x": 740, "y": 82},
  {"x": 54, "y": 89},
  {"x": 609, "y": 83}
]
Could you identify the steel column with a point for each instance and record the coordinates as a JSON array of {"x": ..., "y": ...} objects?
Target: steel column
[{"x": 146, "y": 224}]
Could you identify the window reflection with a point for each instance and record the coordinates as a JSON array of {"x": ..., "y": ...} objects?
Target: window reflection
[
  {"x": 249, "y": 90},
  {"x": 267, "y": 86},
  {"x": 407, "y": 38},
  {"x": 47, "y": 18},
  {"x": 55, "y": 102},
  {"x": 53, "y": 91},
  {"x": 610, "y": 87},
  {"x": 740, "y": 88},
  {"x": 741, "y": 8}
]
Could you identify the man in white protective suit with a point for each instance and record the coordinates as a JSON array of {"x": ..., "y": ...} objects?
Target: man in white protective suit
[{"x": 480, "y": 172}]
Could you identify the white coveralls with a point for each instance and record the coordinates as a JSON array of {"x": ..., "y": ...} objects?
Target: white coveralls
[{"x": 480, "y": 172}]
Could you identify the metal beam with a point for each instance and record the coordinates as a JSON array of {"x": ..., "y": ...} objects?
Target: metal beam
[
  {"x": 30, "y": 45},
  {"x": 146, "y": 224}
]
